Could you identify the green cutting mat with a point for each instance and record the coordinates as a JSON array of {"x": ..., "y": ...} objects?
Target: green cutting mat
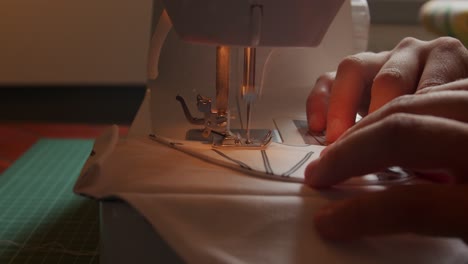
[{"x": 41, "y": 219}]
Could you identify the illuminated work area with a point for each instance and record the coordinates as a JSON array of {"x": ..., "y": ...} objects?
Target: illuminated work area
[{"x": 218, "y": 131}]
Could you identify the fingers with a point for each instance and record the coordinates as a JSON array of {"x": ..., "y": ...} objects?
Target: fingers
[
  {"x": 446, "y": 104},
  {"x": 423, "y": 132},
  {"x": 446, "y": 62},
  {"x": 399, "y": 75},
  {"x": 406, "y": 140},
  {"x": 423, "y": 209},
  {"x": 415, "y": 65},
  {"x": 354, "y": 74},
  {"x": 371, "y": 80},
  {"x": 317, "y": 102}
]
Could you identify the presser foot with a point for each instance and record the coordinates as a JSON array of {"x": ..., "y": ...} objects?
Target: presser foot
[
  {"x": 236, "y": 141},
  {"x": 216, "y": 127}
]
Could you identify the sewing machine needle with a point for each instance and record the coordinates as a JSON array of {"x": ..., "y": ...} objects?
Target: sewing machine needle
[
  {"x": 249, "y": 112},
  {"x": 249, "y": 92}
]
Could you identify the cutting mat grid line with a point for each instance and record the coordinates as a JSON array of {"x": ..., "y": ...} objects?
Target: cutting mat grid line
[{"x": 38, "y": 206}]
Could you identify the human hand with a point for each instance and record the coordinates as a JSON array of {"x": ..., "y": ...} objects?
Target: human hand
[
  {"x": 425, "y": 132},
  {"x": 366, "y": 81}
]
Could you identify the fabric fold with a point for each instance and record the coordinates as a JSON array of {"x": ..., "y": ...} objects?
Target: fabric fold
[{"x": 214, "y": 214}]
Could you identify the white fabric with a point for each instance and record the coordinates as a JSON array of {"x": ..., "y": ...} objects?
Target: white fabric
[
  {"x": 212, "y": 214},
  {"x": 278, "y": 161}
]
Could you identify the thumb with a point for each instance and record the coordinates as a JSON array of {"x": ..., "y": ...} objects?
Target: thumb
[{"x": 440, "y": 210}]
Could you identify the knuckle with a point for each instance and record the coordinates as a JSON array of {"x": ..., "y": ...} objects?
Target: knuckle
[
  {"x": 397, "y": 125},
  {"x": 408, "y": 42},
  {"x": 448, "y": 44},
  {"x": 321, "y": 92},
  {"x": 328, "y": 76},
  {"x": 352, "y": 63},
  {"x": 399, "y": 103},
  {"x": 389, "y": 75},
  {"x": 325, "y": 79},
  {"x": 430, "y": 82},
  {"x": 322, "y": 86},
  {"x": 450, "y": 47},
  {"x": 388, "y": 78}
]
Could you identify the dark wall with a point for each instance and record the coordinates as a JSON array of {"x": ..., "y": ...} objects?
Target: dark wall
[{"x": 108, "y": 104}]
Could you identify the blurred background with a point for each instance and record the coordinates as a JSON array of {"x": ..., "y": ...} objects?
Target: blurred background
[
  {"x": 58, "y": 58},
  {"x": 59, "y": 68},
  {"x": 68, "y": 69}
]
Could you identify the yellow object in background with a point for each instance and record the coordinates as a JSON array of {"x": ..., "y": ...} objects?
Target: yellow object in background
[{"x": 446, "y": 18}]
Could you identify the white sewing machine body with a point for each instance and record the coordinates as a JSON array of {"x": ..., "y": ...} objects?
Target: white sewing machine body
[{"x": 285, "y": 74}]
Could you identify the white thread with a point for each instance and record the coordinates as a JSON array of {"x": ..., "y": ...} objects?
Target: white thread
[
  {"x": 267, "y": 61},
  {"x": 260, "y": 89},
  {"x": 50, "y": 247}
]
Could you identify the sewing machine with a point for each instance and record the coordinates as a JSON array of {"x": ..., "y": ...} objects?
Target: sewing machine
[
  {"x": 236, "y": 29},
  {"x": 231, "y": 73},
  {"x": 228, "y": 74}
]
